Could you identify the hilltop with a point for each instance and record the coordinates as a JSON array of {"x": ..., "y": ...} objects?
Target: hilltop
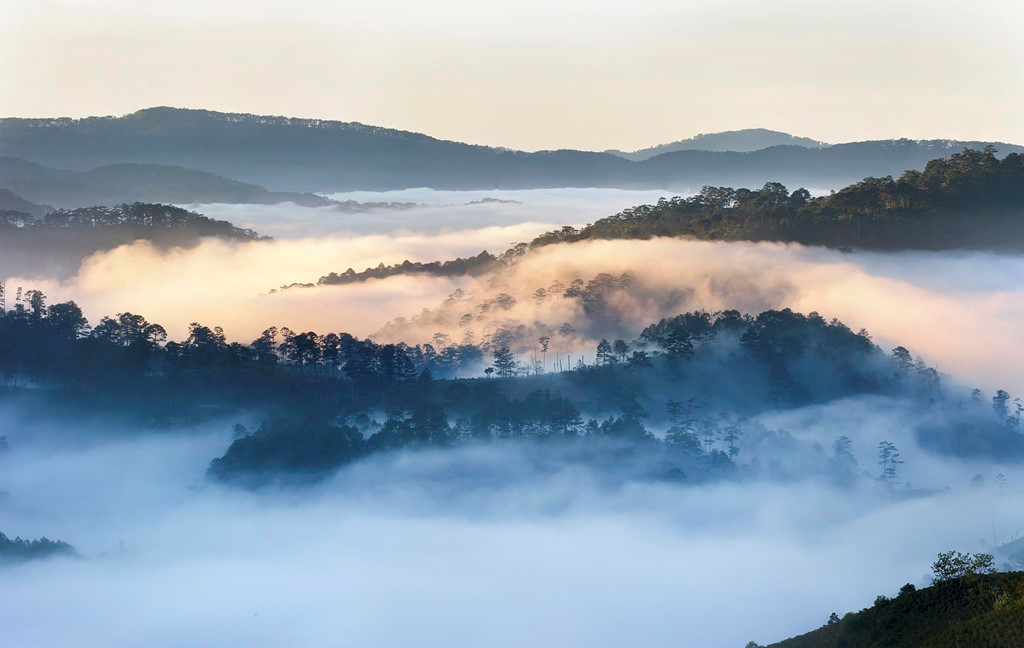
[
  {"x": 58, "y": 242},
  {"x": 970, "y": 200},
  {"x": 740, "y": 141}
]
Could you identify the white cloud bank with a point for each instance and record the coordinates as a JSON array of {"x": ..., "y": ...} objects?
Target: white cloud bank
[
  {"x": 961, "y": 311},
  {"x": 432, "y": 549}
]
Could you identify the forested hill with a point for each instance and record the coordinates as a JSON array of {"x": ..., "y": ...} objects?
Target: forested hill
[
  {"x": 58, "y": 242},
  {"x": 472, "y": 266},
  {"x": 740, "y": 141},
  {"x": 302, "y": 155},
  {"x": 700, "y": 377},
  {"x": 970, "y": 200},
  {"x": 17, "y": 549},
  {"x": 119, "y": 183},
  {"x": 984, "y": 611},
  {"x": 152, "y": 219}
]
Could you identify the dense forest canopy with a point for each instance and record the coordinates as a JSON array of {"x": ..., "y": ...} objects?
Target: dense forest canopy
[
  {"x": 18, "y": 549},
  {"x": 472, "y": 266},
  {"x": 128, "y": 216},
  {"x": 56, "y": 243},
  {"x": 974, "y": 608},
  {"x": 699, "y": 377},
  {"x": 972, "y": 199}
]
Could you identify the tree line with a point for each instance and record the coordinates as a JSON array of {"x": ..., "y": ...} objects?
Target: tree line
[
  {"x": 134, "y": 215},
  {"x": 682, "y": 390},
  {"x": 969, "y": 200},
  {"x": 19, "y": 549}
]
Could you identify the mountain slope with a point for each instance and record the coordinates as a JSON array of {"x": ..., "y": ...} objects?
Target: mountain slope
[
  {"x": 794, "y": 166},
  {"x": 319, "y": 155},
  {"x": 285, "y": 153},
  {"x": 740, "y": 141},
  {"x": 56, "y": 244},
  {"x": 987, "y": 613},
  {"x": 125, "y": 183},
  {"x": 10, "y": 201}
]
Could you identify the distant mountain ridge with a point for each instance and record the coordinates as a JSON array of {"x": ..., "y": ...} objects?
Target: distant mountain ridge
[
  {"x": 313, "y": 155},
  {"x": 132, "y": 182},
  {"x": 739, "y": 141},
  {"x": 10, "y": 201},
  {"x": 56, "y": 244}
]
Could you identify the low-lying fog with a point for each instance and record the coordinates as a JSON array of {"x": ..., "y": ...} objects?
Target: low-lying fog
[
  {"x": 473, "y": 547},
  {"x": 962, "y": 311},
  {"x": 495, "y": 546},
  {"x": 533, "y": 210}
]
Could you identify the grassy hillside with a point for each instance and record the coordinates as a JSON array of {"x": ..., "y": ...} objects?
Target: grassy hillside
[{"x": 987, "y": 613}]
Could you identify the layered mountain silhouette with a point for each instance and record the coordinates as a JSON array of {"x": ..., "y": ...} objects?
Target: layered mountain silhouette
[
  {"x": 304, "y": 155},
  {"x": 740, "y": 141},
  {"x": 125, "y": 183},
  {"x": 12, "y": 202}
]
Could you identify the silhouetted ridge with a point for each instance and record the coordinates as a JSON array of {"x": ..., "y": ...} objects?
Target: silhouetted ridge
[{"x": 302, "y": 155}]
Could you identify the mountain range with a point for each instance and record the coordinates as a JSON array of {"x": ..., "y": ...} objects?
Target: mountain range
[
  {"x": 10, "y": 201},
  {"x": 125, "y": 183},
  {"x": 266, "y": 155},
  {"x": 740, "y": 141}
]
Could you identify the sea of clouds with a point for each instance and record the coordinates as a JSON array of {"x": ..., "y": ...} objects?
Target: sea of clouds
[
  {"x": 478, "y": 546},
  {"x": 492, "y": 546},
  {"x": 961, "y": 311}
]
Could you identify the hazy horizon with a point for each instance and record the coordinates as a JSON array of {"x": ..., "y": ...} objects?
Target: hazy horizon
[
  {"x": 534, "y": 76},
  {"x": 653, "y": 144},
  {"x": 273, "y": 383}
]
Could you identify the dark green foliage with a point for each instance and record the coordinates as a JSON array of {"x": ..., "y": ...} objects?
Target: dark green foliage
[
  {"x": 427, "y": 425},
  {"x": 472, "y": 266},
  {"x": 987, "y": 612},
  {"x": 57, "y": 243},
  {"x": 134, "y": 215},
  {"x": 288, "y": 446},
  {"x": 713, "y": 369},
  {"x": 17, "y": 549},
  {"x": 972, "y": 199},
  {"x": 963, "y": 568}
]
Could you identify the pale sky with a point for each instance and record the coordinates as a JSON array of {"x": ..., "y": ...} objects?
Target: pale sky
[{"x": 534, "y": 74}]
